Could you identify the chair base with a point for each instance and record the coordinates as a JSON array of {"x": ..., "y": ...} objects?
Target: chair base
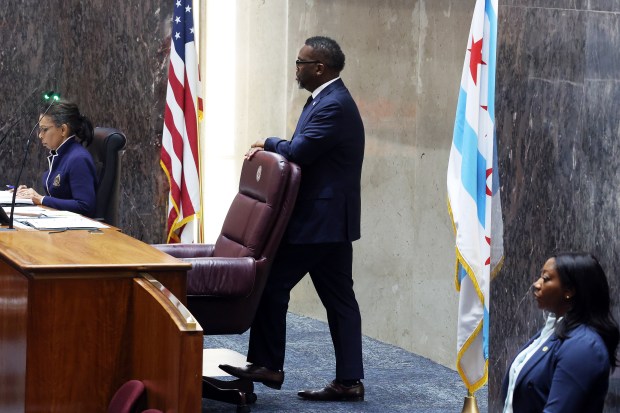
[{"x": 239, "y": 392}]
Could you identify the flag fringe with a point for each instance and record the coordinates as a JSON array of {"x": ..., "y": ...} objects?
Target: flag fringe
[
  {"x": 478, "y": 384},
  {"x": 177, "y": 224},
  {"x": 471, "y": 387}
]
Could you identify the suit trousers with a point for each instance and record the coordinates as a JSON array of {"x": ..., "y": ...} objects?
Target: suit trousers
[{"x": 330, "y": 268}]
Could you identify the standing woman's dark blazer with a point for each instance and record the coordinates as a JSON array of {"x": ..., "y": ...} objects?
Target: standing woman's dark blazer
[{"x": 564, "y": 376}]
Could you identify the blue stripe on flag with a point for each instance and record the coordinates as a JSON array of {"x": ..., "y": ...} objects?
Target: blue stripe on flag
[
  {"x": 461, "y": 272},
  {"x": 481, "y": 201},
  {"x": 473, "y": 170},
  {"x": 459, "y": 121},
  {"x": 465, "y": 140},
  {"x": 492, "y": 16},
  {"x": 485, "y": 333}
]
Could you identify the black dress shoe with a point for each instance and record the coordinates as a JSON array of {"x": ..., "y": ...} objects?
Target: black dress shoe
[
  {"x": 269, "y": 378},
  {"x": 335, "y": 391}
]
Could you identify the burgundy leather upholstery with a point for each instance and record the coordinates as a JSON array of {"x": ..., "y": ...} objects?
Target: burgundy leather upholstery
[
  {"x": 128, "y": 398},
  {"x": 227, "y": 279}
]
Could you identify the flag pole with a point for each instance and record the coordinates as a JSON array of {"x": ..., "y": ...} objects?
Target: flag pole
[{"x": 469, "y": 404}]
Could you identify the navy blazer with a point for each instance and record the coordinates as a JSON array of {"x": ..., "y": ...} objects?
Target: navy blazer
[
  {"x": 71, "y": 184},
  {"x": 328, "y": 145},
  {"x": 569, "y": 376}
]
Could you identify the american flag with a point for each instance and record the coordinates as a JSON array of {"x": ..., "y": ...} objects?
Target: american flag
[
  {"x": 179, "y": 153},
  {"x": 473, "y": 195}
]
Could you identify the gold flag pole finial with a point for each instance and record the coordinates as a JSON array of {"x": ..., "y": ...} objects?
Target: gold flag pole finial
[{"x": 469, "y": 405}]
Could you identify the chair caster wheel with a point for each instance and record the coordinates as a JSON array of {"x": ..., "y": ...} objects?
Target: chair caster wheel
[{"x": 251, "y": 398}]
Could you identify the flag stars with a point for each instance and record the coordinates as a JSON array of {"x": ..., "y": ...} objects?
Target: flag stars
[
  {"x": 475, "y": 58},
  {"x": 178, "y": 3},
  {"x": 177, "y": 20},
  {"x": 488, "y": 188},
  {"x": 177, "y": 35},
  {"x": 191, "y": 30},
  {"x": 188, "y": 9}
]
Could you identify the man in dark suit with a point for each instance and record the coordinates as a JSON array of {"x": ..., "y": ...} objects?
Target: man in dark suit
[{"x": 328, "y": 145}]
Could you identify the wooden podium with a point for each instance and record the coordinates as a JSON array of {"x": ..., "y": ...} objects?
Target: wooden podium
[{"x": 82, "y": 312}]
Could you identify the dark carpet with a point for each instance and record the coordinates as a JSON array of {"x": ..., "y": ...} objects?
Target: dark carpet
[{"x": 396, "y": 380}]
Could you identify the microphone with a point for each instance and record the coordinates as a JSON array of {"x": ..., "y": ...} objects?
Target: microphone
[{"x": 48, "y": 96}]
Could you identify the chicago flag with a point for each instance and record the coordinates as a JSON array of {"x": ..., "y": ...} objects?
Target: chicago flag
[{"x": 473, "y": 195}]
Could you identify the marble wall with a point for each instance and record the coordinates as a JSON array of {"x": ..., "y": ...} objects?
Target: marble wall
[
  {"x": 110, "y": 57},
  {"x": 558, "y": 94}
]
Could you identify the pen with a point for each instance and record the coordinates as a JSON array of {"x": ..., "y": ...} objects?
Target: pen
[{"x": 10, "y": 186}]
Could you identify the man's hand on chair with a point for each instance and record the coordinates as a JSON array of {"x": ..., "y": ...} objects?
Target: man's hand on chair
[{"x": 255, "y": 147}]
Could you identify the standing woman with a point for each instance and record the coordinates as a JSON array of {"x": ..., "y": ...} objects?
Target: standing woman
[
  {"x": 566, "y": 366},
  {"x": 70, "y": 181}
]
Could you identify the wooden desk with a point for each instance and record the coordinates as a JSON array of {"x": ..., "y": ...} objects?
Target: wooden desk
[{"x": 78, "y": 319}]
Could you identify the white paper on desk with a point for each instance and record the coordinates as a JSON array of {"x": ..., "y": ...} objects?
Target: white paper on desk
[
  {"x": 38, "y": 212},
  {"x": 6, "y": 197},
  {"x": 73, "y": 222},
  {"x": 26, "y": 211},
  {"x": 56, "y": 213}
]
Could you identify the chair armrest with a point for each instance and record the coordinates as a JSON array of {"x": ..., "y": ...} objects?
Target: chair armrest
[
  {"x": 221, "y": 277},
  {"x": 186, "y": 250}
]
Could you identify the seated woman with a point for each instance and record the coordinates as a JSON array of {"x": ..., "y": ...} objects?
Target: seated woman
[
  {"x": 565, "y": 367},
  {"x": 70, "y": 182}
]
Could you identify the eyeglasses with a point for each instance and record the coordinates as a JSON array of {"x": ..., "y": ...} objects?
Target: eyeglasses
[
  {"x": 303, "y": 62},
  {"x": 44, "y": 129}
]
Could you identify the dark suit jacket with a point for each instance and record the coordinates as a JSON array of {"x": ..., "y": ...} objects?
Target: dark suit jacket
[
  {"x": 328, "y": 145},
  {"x": 71, "y": 183},
  {"x": 570, "y": 376}
]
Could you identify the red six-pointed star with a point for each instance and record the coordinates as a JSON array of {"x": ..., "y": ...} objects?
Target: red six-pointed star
[{"x": 475, "y": 58}]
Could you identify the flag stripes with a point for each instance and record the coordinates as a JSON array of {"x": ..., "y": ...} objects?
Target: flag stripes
[{"x": 180, "y": 152}]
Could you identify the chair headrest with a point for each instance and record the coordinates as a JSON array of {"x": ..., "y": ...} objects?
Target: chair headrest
[
  {"x": 263, "y": 177},
  {"x": 256, "y": 206},
  {"x": 105, "y": 141}
]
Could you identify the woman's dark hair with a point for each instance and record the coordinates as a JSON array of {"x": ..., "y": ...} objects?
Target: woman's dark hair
[
  {"x": 65, "y": 112},
  {"x": 328, "y": 51},
  {"x": 581, "y": 272}
]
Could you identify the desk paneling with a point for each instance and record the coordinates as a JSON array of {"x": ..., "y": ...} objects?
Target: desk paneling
[
  {"x": 72, "y": 324},
  {"x": 156, "y": 361},
  {"x": 13, "y": 325},
  {"x": 79, "y": 342}
]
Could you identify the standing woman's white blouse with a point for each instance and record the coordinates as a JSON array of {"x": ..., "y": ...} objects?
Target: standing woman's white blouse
[{"x": 524, "y": 356}]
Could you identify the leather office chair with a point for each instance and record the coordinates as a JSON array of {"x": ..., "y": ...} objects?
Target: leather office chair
[
  {"x": 227, "y": 279},
  {"x": 106, "y": 150},
  {"x": 129, "y": 398}
]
